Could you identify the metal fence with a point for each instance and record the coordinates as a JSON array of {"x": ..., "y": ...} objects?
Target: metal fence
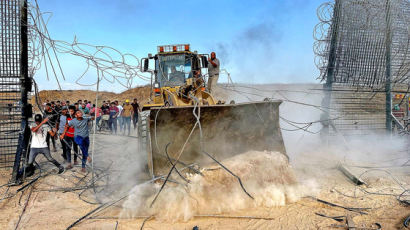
[
  {"x": 356, "y": 39},
  {"x": 362, "y": 50},
  {"x": 10, "y": 86}
]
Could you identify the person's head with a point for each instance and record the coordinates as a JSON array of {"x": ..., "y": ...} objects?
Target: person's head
[
  {"x": 67, "y": 102},
  {"x": 71, "y": 110},
  {"x": 213, "y": 55},
  {"x": 48, "y": 106},
  {"x": 93, "y": 105},
  {"x": 80, "y": 101},
  {"x": 85, "y": 101},
  {"x": 116, "y": 102},
  {"x": 64, "y": 110},
  {"x": 79, "y": 114},
  {"x": 112, "y": 104},
  {"x": 58, "y": 103},
  {"x": 76, "y": 106},
  {"x": 83, "y": 105},
  {"x": 135, "y": 100},
  {"x": 38, "y": 118},
  {"x": 63, "y": 103},
  {"x": 127, "y": 102}
]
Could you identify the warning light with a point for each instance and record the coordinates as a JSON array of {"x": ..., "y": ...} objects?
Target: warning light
[{"x": 173, "y": 48}]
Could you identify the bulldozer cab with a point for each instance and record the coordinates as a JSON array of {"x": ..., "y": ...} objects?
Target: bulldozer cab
[
  {"x": 172, "y": 70},
  {"x": 174, "y": 64}
]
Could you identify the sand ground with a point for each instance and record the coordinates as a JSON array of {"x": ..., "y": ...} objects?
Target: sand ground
[
  {"x": 47, "y": 207},
  {"x": 56, "y": 201}
]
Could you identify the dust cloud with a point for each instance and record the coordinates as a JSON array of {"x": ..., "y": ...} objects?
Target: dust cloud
[{"x": 267, "y": 176}]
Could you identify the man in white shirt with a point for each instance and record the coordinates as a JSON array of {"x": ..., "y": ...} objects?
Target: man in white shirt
[
  {"x": 213, "y": 72},
  {"x": 120, "y": 120},
  {"x": 39, "y": 141}
]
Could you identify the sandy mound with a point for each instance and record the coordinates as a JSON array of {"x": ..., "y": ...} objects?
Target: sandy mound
[{"x": 267, "y": 176}]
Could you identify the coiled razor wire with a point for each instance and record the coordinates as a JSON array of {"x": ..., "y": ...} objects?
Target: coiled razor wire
[
  {"x": 360, "y": 28},
  {"x": 109, "y": 64}
]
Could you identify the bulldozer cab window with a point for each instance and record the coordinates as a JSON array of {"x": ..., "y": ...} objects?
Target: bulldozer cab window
[{"x": 173, "y": 69}]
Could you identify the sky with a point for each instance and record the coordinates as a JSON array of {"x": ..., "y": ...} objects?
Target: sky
[{"x": 256, "y": 41}]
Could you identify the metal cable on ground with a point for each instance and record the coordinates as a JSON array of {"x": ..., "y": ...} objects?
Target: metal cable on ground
[
  {"x": 230, "y": 172},
  {"x": 170, "y": 161}
]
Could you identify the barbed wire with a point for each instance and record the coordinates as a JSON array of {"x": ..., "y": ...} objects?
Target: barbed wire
[
  {"x": 108, "y": 63},
  {"x": 362, "y": 29}
]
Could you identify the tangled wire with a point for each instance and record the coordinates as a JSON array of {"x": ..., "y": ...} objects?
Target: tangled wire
[{"x": 108, "y": 63}]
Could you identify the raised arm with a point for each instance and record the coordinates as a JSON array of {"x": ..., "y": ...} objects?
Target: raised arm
[{"x": 34, "y": 129}]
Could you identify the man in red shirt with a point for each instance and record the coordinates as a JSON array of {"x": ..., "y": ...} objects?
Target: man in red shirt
[{"x": 68, "y": 136}]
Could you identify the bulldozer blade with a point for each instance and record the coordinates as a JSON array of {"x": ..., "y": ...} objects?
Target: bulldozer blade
[{"x": 221, "y": 130}]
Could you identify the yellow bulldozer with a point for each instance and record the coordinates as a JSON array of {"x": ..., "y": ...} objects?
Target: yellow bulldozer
[{"x": 183, "y": 120}]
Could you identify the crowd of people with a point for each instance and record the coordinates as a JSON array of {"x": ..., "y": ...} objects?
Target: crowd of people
[{"x": 70, "y": 123}]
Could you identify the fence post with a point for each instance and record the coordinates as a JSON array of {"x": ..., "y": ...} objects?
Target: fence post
[{"x": 25, "y": 81}]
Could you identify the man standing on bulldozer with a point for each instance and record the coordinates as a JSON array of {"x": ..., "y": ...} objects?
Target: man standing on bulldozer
[{"x": 213, "y": 71}]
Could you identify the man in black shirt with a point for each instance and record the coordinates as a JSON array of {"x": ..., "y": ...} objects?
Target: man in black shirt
[
  {"x": 137, "y": 109},
  {"x": 53, "y": 118}
]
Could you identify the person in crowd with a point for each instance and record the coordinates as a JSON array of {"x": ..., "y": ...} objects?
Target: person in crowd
[
  {"x": 95, "y": 111},
  {"x": 53, "y": 118},
  {"x": 61, "y": 127},
  {"x": 45, "y": 104},
  {"x": 58, "y": 107},
  {"x": 68, "y": 136},
  {"x": 105, "y": 108},
  {"x": 77, "y": 106},
  {"x": 89, "y": 106},
  {"x": 114, "y": 112},
  {"x": 81, "y": 135},
  {"x": 120, "y": 120},
  {"x": 213, "y": 71},
  {"x": 84, "y": 109},
  {"x": 127, "y": 113},
  {"x": 39, "y": 132},
  {"x": 136, "y": 109}
]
